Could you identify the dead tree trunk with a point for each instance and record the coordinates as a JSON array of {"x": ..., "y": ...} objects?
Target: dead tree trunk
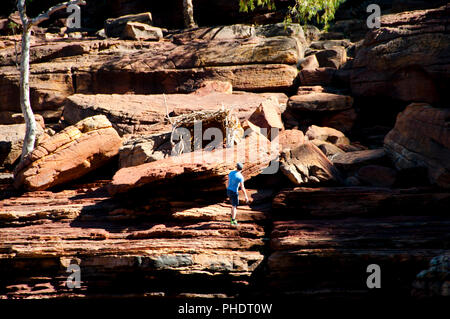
[
  {"x": 188, "y": 12},
  {"x": 25, "y": 104}
]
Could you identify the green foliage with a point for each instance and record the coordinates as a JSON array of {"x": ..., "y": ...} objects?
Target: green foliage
[
  {"x": 303, "y": 10},
  {"x": 14, "y": 27}
]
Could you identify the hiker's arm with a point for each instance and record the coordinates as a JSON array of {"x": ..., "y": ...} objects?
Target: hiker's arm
[{"x": 245, "y": 191}]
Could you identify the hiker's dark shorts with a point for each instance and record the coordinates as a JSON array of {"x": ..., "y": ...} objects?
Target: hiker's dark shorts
[{"x": 234, "y": 197}]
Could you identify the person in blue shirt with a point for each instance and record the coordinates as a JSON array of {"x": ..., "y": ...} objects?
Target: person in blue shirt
[{"x": 235, "y": 179}]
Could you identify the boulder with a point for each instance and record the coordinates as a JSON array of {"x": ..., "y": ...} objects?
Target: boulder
[
  {"x": 115, "y": 26},
  {"x": 146, "y": 114},
  {"x": 406, "y": 59},
  {"x": 52, "y": 162},
  {"x": 290, "y": 139},
  {"x": 312, "y": 33},
  {"x": 333, "y": 57},
  {"x": 209, "y": 168},
  {"x": 319, "y": 102},
  {"x": 308, "y": 63},
  {"x": 209, "y": 87},
  {"x": 326, "y": 134},
  {"x": 11, "y": 142},
  {"x": 268, "y": 116},
  {"x": 327, "y": 148},
  {"x": 342, "y": 121},
  {"x": 351, "y": 161},
  {"x": 319, "y": 76},
  {"x": 281, "y": 29},
  {"x": 329, "y": 44},
  {"x": 141, "y": 32},
  {"x": 421, "y": 139},
  {"x": 305, "y": 89},
  {"x": 145, "y": 149},
  {"x": 377, "y": 175},
  {"x": 306, "y": 164}
]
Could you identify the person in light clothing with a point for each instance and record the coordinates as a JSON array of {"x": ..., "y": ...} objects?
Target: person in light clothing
[{"x": 235, "y": 179}]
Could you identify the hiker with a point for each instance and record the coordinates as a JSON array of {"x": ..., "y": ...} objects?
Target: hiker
[{"x": 235, "y": 179}]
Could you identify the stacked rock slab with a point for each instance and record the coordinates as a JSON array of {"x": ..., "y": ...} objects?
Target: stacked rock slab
[
  {"x": 70, "y": 154},
  {"x": 62, "y": 68},
  {"x": 421, "y": 139},
  {"x": 147, "y": 114},
  {"x": 255, "y": 151},
  {"x": 406, "y": 59},
  {"x": 125, "y": 250}
]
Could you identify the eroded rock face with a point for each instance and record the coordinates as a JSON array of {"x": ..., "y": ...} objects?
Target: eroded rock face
[
  {"x": 306, "y": 164},
  {"x": 351, "y": 161},
  {"x": 406, "y": 59},
  {"x": 61, "y": 68},
  {"x": 255, "y": 152},
  {"x": 421, "y": 138},
  {"x": 70, "y": 154},
  {"x": 146, "y": 114},
  {"x": 303, "y": 251},
  {"x": 145, "y": 149},
  {"x": 123, "y": 248},
  {"x": 333, "y": 202}
]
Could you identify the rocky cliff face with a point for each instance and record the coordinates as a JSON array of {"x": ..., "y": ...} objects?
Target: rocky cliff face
[{"x": 332, "y": 189}]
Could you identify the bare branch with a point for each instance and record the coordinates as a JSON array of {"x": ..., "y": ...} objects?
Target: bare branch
[
  {"x": 23, "y": 14},
  {"x": 46, "y": 15}
]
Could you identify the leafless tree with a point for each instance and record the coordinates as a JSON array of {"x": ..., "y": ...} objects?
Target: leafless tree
[
  {"x": 188, "y": 12},
  {"x": 25, "y": 105}
]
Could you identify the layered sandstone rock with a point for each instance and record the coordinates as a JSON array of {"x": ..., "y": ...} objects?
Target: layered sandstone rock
[
  {"x": 329, "y": 258},
  {"x": 145, "y": 149},
  {"x": 306, "y": 164},
  {"x": 312, "y": 105},
  {"x": 351, "y": 161},
  {"x": 141, "y": 32},
  {"x": 115, "y": 27},
  {"x": 326, "y": 134},
  {"x": 268, "y": 116},
  {"x": 333, "y": 57},
  {"x": 256, "y": 152},
  {"x": 70, "y": 154},
  {"x": 421, "y": 139},
  {"x": 126, "y": 249},
  {"x": 406, "y": 59},
  {"x": 358, "y": 201},
  {"x": 146, "y": 114},
  {"x": 112, "y": 66},
  {"x": 319, "y": 102}
]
